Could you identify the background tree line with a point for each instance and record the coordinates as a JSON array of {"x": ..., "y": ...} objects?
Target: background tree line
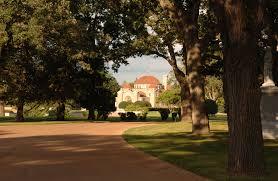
[{"x": 58, "y": 52}]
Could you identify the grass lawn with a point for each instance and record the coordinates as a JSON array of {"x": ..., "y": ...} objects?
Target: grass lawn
[
  {"x": 153, "y": 116},
  {"x": 205, "y": 155}
]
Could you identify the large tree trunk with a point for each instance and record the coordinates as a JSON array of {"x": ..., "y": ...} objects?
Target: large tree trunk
[
  {"x": 91, "y": 115},
  {"x": 240, "y": 25},
  {"x": 60, "y": 112},
  {"x": 20, "y": 111},
  {"x": 186, "y": 112},
  {"x": 187, "y": 27},
  {"x": 244, "y": 121},
  {"x": 2, "y": 108},
  {"x": 200, "y": 122}
]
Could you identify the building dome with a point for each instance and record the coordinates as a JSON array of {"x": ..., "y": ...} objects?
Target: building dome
[{"x": 147, "y": 80}]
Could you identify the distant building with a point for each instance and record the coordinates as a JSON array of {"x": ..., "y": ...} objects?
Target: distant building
[
  {"x": 7, "y": 110},
  {"x": 145, "y": 88},
  {"x": 10, "y": 111}
]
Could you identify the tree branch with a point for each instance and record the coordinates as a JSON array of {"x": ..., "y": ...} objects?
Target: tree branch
[
  {"x": 157, "y": 53},
  {"x": 180, "y": 75}
]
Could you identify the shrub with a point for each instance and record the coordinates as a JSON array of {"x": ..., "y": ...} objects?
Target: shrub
[
  {"x": 164, "y": 114},
  {"x": 143, "y": 104},
  {"x": 124, "y": 104},
  {"x": 211, "y": 106},
  {"x": 135, "y": 107},
  {"x": 103, "y": 115},
  {"x": 143, "y": 116},
  {"x": 131, "y": 116},
  {"x": 122, "y": 116},
  {"x": 52, "y": 113}
]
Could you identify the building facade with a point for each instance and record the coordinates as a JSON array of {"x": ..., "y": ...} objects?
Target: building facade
[{"x": 145, "y": 88}]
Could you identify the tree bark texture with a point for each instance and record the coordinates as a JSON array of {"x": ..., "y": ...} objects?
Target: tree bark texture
[
  {"x": 91, "y": 115},
  {"x": 244, "y": 121},
  {"x": 2, "y": 108},
  {"x": 186, "y": 111},
  {"x": 200, "y": 122},
  {"x": 60, "y": 111},
  {"x": 239, "y": 22},
  {"x": 20, "y": 111},
  {"x": 187, "y": 27}
]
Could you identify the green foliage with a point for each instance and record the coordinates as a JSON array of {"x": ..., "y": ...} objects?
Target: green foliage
[
  {"x": 142, "y": 116},
  {"x": 36, "y": 36},
  {"x": 213, "y": 88},
  {"x": 124, "y": 104},
  {"x": 136, "y": 107},
  {"x": 143, "y": 104},
  {"x": 52, "y": 113},
  {"x": 170, "y": 97},
  {"x": 221, "y": 105},
  {"x": 211, "y": 106},
  {"x": 129, "y": 116},
  {"x": 58, "y": 51},
  {"x": 164, "y": 114},
  {"x": 122, "y": 116}
]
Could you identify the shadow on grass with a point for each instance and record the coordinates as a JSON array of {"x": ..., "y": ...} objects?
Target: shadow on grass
[
  {"x": 203, "y": 155},
  {"x": 200, "y": 154},
  {"x": 74, "y": 119}
]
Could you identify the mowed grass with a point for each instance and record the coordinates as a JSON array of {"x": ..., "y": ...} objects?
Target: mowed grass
[
  {"x": 203, "y": 155},
  {"x": 10, "y": 121},
  {"x": 153, "y": 116}
]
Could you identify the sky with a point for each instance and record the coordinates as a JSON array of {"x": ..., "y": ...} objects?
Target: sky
[{"x": 145, "y": 65}]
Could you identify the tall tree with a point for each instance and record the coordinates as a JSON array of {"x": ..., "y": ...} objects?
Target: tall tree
[
  {"x": 240, "y": 23},
  {"x": 107, "y": 38},
  {"x": 19, "y": 65},
  {"x": 37, "y": 51},
  {"x": 173, "y": 33}
]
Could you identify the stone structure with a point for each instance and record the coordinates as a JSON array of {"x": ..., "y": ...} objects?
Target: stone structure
[
  {"x": 145, "y": 88},
  {"x": 269, "y": 101}
]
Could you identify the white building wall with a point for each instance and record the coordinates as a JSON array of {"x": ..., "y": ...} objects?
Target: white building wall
[{"x": 133, "y": 94}]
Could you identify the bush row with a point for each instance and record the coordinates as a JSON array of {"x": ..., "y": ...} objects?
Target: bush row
[{"x": 210, "y": 106}]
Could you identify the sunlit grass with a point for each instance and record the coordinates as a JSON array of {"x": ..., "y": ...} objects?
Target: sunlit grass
[
  {"x": 203, "y": 155},
  {"x": 153, "y": 116}
]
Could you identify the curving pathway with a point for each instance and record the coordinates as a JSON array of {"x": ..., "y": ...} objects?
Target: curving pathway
[{"x": 79, "y": 152}]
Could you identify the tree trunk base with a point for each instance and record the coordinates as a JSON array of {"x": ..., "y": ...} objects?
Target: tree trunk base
[
  {"x": 60, "y": 115},
  {"x": 19, "y": 119},
  {"x": 91, "y": 115},
  {"x": 19, "y": 114}
]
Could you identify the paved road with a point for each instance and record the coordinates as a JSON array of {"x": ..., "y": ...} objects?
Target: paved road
[{"x": 79, "y": 152}]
